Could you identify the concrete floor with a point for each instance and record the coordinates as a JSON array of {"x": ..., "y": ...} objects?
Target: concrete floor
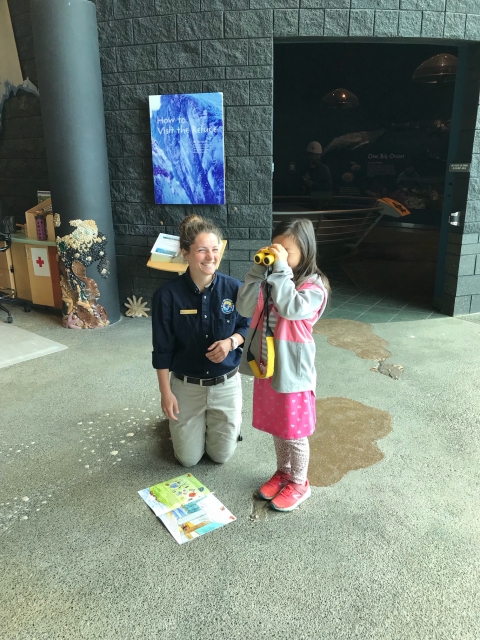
[{"x": 389, "y": 552}]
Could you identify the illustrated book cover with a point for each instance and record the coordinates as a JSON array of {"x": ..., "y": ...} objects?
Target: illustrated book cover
[{"x": 186, "y": 507}]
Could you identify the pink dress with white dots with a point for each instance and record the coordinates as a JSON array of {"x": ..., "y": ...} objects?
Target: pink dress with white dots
[{"x": 285, "y": 415}]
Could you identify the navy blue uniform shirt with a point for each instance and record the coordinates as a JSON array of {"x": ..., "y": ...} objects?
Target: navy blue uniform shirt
[{"x": 186, "y": 321}]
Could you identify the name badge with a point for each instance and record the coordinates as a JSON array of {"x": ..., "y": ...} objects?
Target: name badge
[{"x": 187, "y": 312}]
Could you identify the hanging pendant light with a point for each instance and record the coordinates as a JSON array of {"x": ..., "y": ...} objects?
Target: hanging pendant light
[
  {"x": 439, "y": 68},
  {"x": 340, "y": 99}
]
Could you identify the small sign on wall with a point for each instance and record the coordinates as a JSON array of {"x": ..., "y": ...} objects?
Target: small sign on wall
[
  {"x": 459, "y": 167},
  {"x": 188, "y": 148}
]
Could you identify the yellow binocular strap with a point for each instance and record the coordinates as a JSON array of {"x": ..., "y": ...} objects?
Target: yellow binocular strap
[
  {"x": 270, "y": 358},
  {"x": 269, "y": 342}
]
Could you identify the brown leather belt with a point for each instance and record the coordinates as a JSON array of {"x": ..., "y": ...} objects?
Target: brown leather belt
[{"x": 206, "y": 382}]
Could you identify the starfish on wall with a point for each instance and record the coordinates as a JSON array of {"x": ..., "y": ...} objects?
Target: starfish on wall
[{"x": 136, "y": 308}]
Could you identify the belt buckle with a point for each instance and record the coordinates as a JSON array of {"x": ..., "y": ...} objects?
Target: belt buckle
[{"x": 218, "y": 380}]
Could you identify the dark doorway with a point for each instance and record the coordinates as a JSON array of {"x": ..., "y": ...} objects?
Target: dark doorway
[{"x": 393, "y": 144}]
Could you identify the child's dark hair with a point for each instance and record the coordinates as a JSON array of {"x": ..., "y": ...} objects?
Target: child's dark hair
[
  {"x": 191, "y": 226},
  {"x": 303, "y": 234}
]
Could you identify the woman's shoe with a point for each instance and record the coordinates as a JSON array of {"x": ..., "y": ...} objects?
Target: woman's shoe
[
  {"x": 273, "y": 486},
  {"x": 291, "y": 496}
]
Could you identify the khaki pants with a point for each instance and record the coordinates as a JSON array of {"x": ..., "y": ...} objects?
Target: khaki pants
[{"x": 209, "y": 420}]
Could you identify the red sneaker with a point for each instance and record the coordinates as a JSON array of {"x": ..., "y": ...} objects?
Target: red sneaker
[
  {"x": 291, "y": 496},
  {"x": 273, "y": 486}
]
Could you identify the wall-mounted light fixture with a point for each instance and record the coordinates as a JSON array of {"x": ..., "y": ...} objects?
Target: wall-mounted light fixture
[
  {"x": 455, "y": 218},
  {"x": 340, "y": 99},
  {"x": 439, "y": 68}
]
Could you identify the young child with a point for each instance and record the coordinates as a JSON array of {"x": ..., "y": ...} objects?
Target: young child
[{"x": 284, "y": 404}]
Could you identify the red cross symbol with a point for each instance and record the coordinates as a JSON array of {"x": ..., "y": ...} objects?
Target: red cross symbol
[{"x": 40, "y": 262}]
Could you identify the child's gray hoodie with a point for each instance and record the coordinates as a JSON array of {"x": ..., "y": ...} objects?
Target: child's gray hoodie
[{"x": 298, "y": 310}]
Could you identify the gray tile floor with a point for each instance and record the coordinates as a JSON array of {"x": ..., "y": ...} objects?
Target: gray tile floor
[{"x": 386, "y": 299}]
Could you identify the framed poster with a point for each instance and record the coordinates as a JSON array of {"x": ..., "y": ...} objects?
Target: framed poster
[{"x": 188, "y": 148}]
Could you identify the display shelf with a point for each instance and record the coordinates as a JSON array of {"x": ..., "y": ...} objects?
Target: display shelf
[{"x": 19, "y": 237}]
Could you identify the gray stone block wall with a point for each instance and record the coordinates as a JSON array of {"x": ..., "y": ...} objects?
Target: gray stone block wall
[
  {"x": 160, "y": 46},
  {"x": 167, "y": 46},
  {"x": 219, "y": 46},
  {"x": 462, "y": 265}
]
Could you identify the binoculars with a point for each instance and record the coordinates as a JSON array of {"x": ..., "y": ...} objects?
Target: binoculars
[{"x": 264, "y": 257}]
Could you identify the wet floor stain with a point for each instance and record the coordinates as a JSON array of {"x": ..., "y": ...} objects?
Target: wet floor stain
[
  {"x": 354, "y": 336},
  {"x": 260, "y": 509},
  {"x": 345, "y": 439}
]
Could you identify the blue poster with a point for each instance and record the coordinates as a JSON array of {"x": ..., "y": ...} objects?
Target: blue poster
[{"x": 187, "y": 148}]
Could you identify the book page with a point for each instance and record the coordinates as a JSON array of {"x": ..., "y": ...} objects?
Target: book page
[
  {"x": 197, "y": 518},
  {"x": 167, "y": 245}
]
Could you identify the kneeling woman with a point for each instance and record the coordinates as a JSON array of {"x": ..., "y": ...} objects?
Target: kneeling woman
[{"x": 196, "y": 336}]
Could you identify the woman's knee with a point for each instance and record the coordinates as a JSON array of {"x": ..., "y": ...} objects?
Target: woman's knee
[
  {"x": 188, "y": 460},
  {"x": 221, "y": 455},
  {"x": 220, "y": 458}
]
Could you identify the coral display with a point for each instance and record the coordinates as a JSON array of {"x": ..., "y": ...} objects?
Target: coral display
[{"x": 76, "y": 251}]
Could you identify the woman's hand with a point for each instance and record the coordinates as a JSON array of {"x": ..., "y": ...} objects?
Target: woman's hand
[
  {"x": 169, "y": 405},
  {"x": 279, "y": 252},
  {"x": 218, "y": 351}
]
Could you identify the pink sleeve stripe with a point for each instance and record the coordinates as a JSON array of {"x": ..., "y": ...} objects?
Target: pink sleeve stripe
[{"x": 300, "y": 330}]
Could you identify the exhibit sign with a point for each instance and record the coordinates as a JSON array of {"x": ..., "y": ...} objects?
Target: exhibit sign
[
  {"x": 459, "y": 167},
  {"x": 187, "y": 132}
]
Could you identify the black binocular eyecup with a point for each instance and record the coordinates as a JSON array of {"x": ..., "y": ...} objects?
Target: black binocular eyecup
[{"x": 264, "y": 257}]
